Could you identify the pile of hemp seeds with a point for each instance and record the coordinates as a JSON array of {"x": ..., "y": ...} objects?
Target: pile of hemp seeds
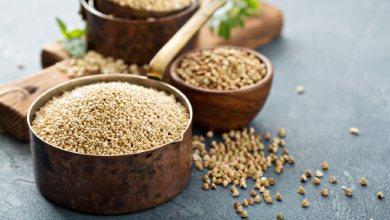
[{"x": 243, "y": 155}]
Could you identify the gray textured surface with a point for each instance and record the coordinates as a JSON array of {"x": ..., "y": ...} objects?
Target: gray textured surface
[{"x": 338, "y": 49}]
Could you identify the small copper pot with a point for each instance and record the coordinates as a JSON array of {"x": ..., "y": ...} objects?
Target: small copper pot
[
  {"x": 225, "y": 110},
  {"x": 111, "y": 184},
  {"x": 133, "y": 40}
]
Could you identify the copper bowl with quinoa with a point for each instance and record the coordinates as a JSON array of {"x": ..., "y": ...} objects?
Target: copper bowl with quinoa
[
  {"x": 114, "y": 184},
  {"x": 223, "y": 110},
  {"x": 133, "y": 40}
]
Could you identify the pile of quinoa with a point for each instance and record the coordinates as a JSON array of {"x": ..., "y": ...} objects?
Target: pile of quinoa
[
  {"x": 95, "y": 63},
  {"x": 221, "y": 68},
  {"x": 154, "y": 5},
  {"x": 111, "y": 119}
]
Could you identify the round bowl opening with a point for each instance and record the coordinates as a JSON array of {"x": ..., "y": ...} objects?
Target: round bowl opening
[
  {"x": 87, "y": 80},
  {"x": 262, "y": 58}
]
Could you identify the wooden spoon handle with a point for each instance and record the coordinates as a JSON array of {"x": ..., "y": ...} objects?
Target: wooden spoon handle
[{"x": 162, "y": 59}]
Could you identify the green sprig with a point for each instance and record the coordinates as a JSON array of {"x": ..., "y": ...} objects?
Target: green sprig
[
  {"x": 74, "y": 42},
  {"x": 232, "y": 15}
]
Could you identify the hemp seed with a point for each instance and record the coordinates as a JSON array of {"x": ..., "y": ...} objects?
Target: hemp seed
[
  {"x": 257, "y": 198},
  {"x": 305, "y": 203},
  {"x": 324, "y": 192},
  {"x": 278, "y": 197},
  {"x": 268, "y": 199},
  {"x": 245, "y": 202},
  {"x": 301, "y": 190},
  {"x": 210, "y": 134},
  {"x": 244, "y": 214},
  {"x": 380, "y": 195},
  {"x": 267, "y": 136},
  {"x": 282, "y": 132},
  {"x": 363, "y": 181},
  {"x": 253, "y": 193},
  {"x": 325, "y": 165},
  {"x": 316, "y": 181},
  {"x": 319, "y": 174},
  {"x": 279, "y": 216},
  {"x": 303, "y": 178},
  {"x": 239, "y": 209},
  {"x": 300, "y": 89},
  {"x": 205, "y": 186},
  {"x": 354, "y": 131},
  {"x": 308, "y": 173},
  {"x": 348, "y": 192},
  {"x": 332, "y": 179}
]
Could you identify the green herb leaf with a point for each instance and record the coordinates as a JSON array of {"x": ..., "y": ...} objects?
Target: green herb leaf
[
  {"x": 232, "y": 15},
  {"x": 63, "y": 28},
  {"x": 74, "y": 42}
]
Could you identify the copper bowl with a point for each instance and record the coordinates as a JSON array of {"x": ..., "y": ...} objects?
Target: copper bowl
[
  {"x": 225, "y": 110},
  {"x": 111, "y": 184},
  {"x": 133, "y": 40}
]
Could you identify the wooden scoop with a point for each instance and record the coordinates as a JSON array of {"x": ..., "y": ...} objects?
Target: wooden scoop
[
  {"x": 111, "y": 8},
  {"x": 16, "y": 97}
]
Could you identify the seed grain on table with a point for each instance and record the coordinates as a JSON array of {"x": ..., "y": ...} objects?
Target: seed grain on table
[
  {"x": 111, "y": 119},
  {"x": 154, "y": 5},
  {"x": 221, "y": 68}
]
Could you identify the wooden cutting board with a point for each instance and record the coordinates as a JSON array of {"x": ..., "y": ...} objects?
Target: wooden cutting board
[{"x": 15, "y": 104}]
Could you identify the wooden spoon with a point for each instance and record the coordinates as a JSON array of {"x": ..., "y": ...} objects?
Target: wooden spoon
[{"x": 166, "y": 54}]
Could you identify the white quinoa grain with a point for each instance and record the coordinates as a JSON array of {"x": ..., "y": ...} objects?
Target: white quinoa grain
[
  {"x": 111, "y": 119},
  {"x": 154, "y": 5}
]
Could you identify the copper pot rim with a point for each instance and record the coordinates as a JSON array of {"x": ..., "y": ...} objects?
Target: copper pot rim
[
  {"x": 268, "y": 76},
  {"x": 119, "y": 77},
  {"x": 86, "y": 4}
]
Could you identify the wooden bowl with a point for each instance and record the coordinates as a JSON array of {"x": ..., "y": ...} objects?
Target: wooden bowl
[
  {"x": 111, "y": 8},
  {"x": 133, "y": 40},
  {"x": 225, "y": 110},
  {"x": 111, "y": 184}
]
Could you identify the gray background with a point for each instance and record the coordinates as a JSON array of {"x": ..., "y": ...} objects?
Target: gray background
[{"x": 338, "y": 49}]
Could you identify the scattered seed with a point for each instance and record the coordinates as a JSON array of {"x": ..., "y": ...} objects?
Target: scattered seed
[
  {"x": 267, "y": 135},
  {"x": 257, "y": 199},
  {"x": 303, "y": 178},
  {"x": 210, "y": 134},
  {"x": 300, "y": 89},
  {"x": 308, "y": 173},
  {"x": 278, "y": 197},
  {"x": 262, "y": 189},
  {"x": 316, "y": 181},
  {"x": 332, "y": 179},
  {"x": 245, "y": 202},
  {"x": 319, "y": 174},
  {"x": 239, "y": 209},
  {"x": 305, "y": 203},
  {"x": 213, "y": 186},
  {"x": 235, "y": 193},
  {"x": 253, "y": 193},
  {"x": 199, "y": 165},
  {"x": 348, "y": 192},
  {"x": 363, "y": 181},
  {"x": 244, "y": 214},
  {"x": 268, "y": 199},
  {"x": 205, "y": 186},
  {"x": 279, "y": 216},
  {"x": 301, "y": 190},
  {"x": 354, "y": 131},
  {"x": 325, "y": 165},
  {"x": 282, "y": 132},
  {"x": 236, "y": 204},
  {"x": 225, "y": 183},
  {"x": 324, "y": 192},
  {"x": 271, "y": 181},
  {"x": 251, "y": 201},
  {"x": 380, "y": 195}
]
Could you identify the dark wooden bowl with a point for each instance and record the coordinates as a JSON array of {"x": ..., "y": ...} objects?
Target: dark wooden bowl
[
  {"x": 111, "y": 8},
  {"x": 111, "y": 184},
  {"x": 224, "y": 110},
  {"x": 133, "y": 40}
]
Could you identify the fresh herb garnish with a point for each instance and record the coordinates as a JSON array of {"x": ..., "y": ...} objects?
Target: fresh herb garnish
[
  {"x": 233, "y": 15},
  {"x": 74, "y": 42}
]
